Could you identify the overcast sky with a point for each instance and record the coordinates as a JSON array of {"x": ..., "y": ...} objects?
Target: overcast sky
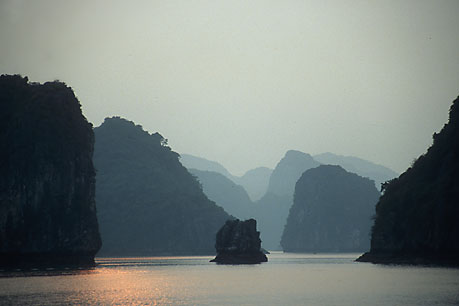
[{"x": 241, "y": 82}]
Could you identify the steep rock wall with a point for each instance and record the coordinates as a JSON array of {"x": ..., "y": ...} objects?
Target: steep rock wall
[{"x": 47, "y": 179}]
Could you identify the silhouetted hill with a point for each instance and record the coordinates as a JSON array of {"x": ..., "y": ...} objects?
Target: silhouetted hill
[
  {"x": 288, "y": 171},
  {"x": 148, "y": 203},
  {"x": 223, "y": 191},
  {"x": 272, "y": 209},
  {"x": 271, "y": 212},
  {"x": 199, "y": 163},
  {"x": 47, "y": 178},
  {"x": 331, "y": 212},
  {"x": 256, "y": 182},
  {"x": 377, "y": 173},
  {"x": 417, "y": 215}
]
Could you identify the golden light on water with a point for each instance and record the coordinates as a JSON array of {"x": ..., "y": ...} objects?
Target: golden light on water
[{"x": 287, "y": 279}]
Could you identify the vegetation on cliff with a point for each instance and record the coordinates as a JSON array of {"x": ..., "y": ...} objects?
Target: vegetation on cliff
[
  {"x": 47, "y": 178},
  {"x": 417, "y": 215},
  {"x": 148, "y": 203}
]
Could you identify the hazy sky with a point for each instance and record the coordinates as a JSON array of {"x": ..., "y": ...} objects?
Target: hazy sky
[{"x": 241, "y": 82}]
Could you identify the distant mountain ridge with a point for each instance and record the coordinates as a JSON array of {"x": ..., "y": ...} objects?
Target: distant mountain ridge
[
  {"x": 378, "y": 173},
  {"x": 288, "y": 171},
  {"x": 202, "y": 164},
  {"x": 254, "y": 181},
  {"x": 271, "y": 212},
  {"x": 225, "y": 193},
  {"x": 271, "y": 209}
]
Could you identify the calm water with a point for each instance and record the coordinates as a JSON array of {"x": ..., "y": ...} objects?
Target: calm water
[{"x": 287, "y": 279}]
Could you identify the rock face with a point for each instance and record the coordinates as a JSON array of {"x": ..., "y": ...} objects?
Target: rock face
[
  {"x": 331, "y": 212},
  {"x": 47, "y": 178},
  {"x": 148, "y": 203},
  {"x": 238, "y": 242},
  {"x": 417, "y": 215}
]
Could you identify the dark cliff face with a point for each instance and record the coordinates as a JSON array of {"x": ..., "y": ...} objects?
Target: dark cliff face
[
  {"x": 148, "y": 203},
  {"x": 47, "y": 179},
  {"x": 331, "y": 212},
  {"x": 416, "y": 218},
  {"x": 238, "y": 242}
]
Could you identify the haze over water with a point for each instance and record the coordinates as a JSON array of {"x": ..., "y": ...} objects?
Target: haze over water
[
  {"x": 372, "y": 79},
  {"x": 239, "y": 82},
  {"x": 287, "y": 279}
]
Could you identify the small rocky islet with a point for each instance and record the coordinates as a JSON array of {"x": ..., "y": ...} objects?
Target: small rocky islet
[{"x": 238, "y": 242}]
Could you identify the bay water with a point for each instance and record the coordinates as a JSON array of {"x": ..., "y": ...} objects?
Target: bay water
[{"x": 286, "y": 279}]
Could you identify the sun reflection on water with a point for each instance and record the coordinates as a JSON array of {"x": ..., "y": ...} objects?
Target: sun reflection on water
[
  {"x": 114, "y": 281},
  {"x": 287, "y": 279}
]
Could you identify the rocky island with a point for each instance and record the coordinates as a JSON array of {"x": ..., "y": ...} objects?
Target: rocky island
[
  {"x": 238, "y": 242},
  {"x": 47, "y": 179},
  {"x": 332, "y": 212},
  {"x": 417, "y": 215}
]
